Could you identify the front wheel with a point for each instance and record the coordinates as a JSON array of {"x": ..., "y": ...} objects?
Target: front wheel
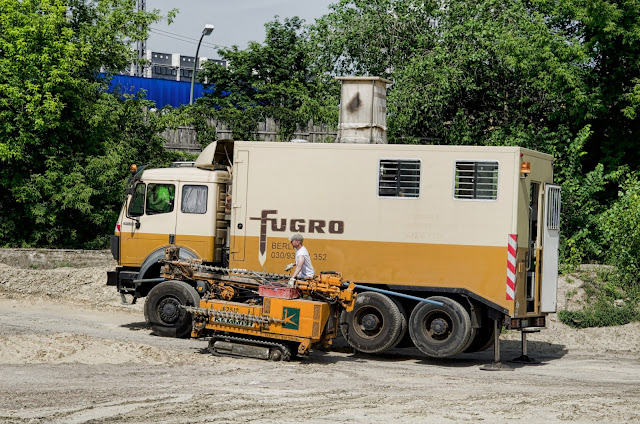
[
  {"x": 163, "y": 312},
  {"x": 440, "y": 331}
]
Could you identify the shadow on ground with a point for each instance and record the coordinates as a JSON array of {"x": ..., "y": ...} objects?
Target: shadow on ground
[
  {"x": 541, "y": 352},
  {"x": 136, "y": 326}
]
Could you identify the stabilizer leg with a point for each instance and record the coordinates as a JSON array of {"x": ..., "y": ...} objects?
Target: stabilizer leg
[
  {"x": 524, "y": 358},
  {"x": 496, "y": 365}
]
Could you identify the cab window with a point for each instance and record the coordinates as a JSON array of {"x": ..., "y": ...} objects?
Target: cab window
[
  {"x": 160, "y": 198},
  {"x": 194, "y": 199}
]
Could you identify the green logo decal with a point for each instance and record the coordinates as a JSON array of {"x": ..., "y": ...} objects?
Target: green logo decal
[{"x": 291, "y": 318}]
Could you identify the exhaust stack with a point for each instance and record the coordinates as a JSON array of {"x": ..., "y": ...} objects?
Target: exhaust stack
[{"x": 363, "y": 110}]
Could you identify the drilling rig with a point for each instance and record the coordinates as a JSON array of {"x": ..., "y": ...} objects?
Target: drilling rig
[{"x": 254, "y": 314}]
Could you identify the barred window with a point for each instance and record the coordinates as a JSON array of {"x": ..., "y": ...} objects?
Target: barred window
[
  {"x": 399, "y": 178},
  {"x": 553, "y": 208},
  {"x": 476, "y": 180}
]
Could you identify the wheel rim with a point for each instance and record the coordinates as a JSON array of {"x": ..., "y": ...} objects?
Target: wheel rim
[
  {"x": 437, "y": 326},
  {"x": 368, "y": 322},
  {"x": 169, "y": 310}
]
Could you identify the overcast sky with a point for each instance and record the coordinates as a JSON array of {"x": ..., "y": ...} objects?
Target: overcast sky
[{"x": 236, "y": 22}]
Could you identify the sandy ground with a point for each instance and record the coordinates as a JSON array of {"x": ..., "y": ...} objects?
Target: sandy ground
[{"x": 71, "y": 353}]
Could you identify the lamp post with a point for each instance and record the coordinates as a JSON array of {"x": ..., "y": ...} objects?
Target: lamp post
[{"x": 208, "y": 29}]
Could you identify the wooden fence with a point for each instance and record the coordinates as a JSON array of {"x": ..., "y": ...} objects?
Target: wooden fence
[{"x": 183, "y": 138}]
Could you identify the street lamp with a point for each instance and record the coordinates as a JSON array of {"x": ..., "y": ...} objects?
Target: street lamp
[{"x": 208, "y": 29}]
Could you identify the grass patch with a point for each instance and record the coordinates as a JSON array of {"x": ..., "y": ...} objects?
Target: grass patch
[
  {"x": 602, "y": 313},
  {"x": 608, "y": 302}
]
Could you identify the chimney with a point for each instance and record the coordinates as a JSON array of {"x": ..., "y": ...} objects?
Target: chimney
[{"x": 363, "y": 110}]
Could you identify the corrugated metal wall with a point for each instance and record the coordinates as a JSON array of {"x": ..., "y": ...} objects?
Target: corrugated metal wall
[{"x": 162, "y": 92}]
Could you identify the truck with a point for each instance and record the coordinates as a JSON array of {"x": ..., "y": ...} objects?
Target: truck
[{"x": 473, "y": 228}]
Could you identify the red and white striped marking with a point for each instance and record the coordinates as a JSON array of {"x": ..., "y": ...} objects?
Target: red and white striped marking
[{"x": 512, "y": 250}]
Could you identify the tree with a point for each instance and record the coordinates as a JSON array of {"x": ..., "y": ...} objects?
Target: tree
[
  {"x": 473, "y": 72},
  {"x": 609, "y": 31},
  {"x": 373, "y": 37},
  {"x": 65, "y": 144},
  {"x": 274, "y": 80},
  {"x": 621, "y": 228}
]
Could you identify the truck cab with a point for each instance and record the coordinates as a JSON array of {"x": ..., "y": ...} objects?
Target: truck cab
[{"x": 184, "y": 206}]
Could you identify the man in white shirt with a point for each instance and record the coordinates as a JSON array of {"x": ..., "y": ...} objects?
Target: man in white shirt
[{"x": 303, "y": 269}]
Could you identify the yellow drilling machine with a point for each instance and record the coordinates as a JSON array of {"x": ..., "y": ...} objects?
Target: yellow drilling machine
[{"x": 255, "y": 314}]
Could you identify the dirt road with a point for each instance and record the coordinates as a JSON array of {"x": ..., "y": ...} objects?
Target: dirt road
[{"x": 84, "y": 358}]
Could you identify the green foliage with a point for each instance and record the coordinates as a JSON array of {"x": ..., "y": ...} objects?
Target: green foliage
[
  {"x": 197, "y": 116},
  {"x": 579, "y": 220},
  {"x": 373, "y": 37},
  {"x": 608, "y": 301},
  {"x": 65, "y": 144},
  {"x": 271, "y": 80},
  {"x": 501, "y": 77},
  {"x": 602, "y": 313},
  {"x": 480, "y": 72},
  {"x": 620, "y": 225},
  {"x": 571, "y": 256},
  {"x": 609, "y": 33}
]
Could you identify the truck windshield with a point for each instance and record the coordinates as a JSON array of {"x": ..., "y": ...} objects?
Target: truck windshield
[{"x": 136, "y": 207}]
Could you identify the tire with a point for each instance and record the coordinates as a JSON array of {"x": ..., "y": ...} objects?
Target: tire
[
  {"x": 405, "y": 342},
  {"x": 162, "y": 312},
  {"x": 404, "y": 339},
  {"x": 440, "y": 331},
  {"x": 483, "y": 339},
  {"x": 374, "y": 325}
]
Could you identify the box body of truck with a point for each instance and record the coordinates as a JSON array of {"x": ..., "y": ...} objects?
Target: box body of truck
[{"x": 412, "y": 218}]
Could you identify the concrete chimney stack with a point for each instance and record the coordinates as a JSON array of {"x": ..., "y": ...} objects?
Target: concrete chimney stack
[{"x": 363, "y": 110}]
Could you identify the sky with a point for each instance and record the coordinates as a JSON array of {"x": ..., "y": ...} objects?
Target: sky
[{"x": 236, "y": 22}]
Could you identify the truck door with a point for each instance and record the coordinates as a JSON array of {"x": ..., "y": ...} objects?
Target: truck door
[
  {"x": 239, "y": 202},
  {"x": 550, "y": 243},
  {"x": 150, "y": 222},
  {"x": 196, "y": 219}
]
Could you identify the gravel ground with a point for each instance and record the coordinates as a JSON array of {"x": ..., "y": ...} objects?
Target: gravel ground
[{"x": 71, "y": 353}]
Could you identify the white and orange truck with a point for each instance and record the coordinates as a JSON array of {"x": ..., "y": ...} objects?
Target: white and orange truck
[{"x": 473, "y": 228}]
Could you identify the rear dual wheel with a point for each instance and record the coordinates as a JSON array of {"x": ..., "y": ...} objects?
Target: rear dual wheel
[
  {"x": 441, "y": 331},
  {"x": 375, "y": 324},
  {"x": 484, "y": 337}
]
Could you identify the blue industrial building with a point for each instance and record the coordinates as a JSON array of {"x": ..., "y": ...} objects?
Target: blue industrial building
[{"x": 161, "y": 91}]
